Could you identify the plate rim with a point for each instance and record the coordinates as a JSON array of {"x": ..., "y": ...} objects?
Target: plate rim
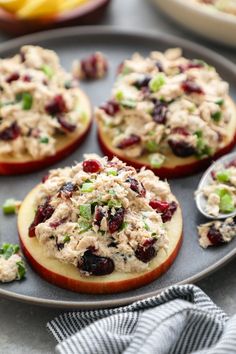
[{"x": 101, "y": 31}]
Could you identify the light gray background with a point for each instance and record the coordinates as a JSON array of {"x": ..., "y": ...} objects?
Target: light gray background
[{"x": 22, "y": 327}]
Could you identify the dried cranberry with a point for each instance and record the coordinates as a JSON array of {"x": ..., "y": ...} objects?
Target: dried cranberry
[
  {"x": 96, "y": 265},
  {"x": 136, "y": 186},
  {"x": 181, "y": 148},
  {"x": 115, "y": 221},
  {"x": 180, "y": 131},
  {"x": 142, "y": 82},
  {"x": 146, "y": 251},
  {"x": 26, "y": 78},
  {"x": 159, "y": 205},
  {"x": 91, "y": 66},
  {"x": 99, "y": 215},
  {"x": 56, "y": 223},
  {"x": 13, "y": 77},
  {"x": 159, "y": 112},
  {"x": 10, "y": 133},
  {"x": 69, "y": 127},
  {"x": 110, "y": 107},
  {"x": 56, "y": 106},
  {"x": 44, "y": 179},
  {"x": 43, "y": 213},
  {"x": 67, "y": 190},
  {"x": 131, "y": 140},
  {"x": 92, "y": 166},
  {"x": 190, "y": 86},
  {"x": 214, "y": 236},
  {"x": 168, "y": 213},
  {"x": 191, "y": 65}
]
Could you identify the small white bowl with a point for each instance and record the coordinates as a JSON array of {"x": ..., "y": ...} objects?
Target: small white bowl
[{"x": 209, "y": 23}]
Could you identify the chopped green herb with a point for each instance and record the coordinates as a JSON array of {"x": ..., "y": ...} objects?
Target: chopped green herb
[
  {"x": 44, "y": 140},
  {"x": 47, "y": 69},
  {"x": 216, "y": 116},
  {"x": 85, "y": 211},
  {"x": 84, "y": 226},
  {"x": 157, "y": 82},
  {"x": 66, "y": 239},
  {"x": 146, "y": 226},
  {"x": 9, "y": 207},
  {"x": 124, "y": 225},
  {"x": 8, "y": 249},
  {"x": 87, "y": 187},
  {"x": 27, "y": 100},
  {"x": 151, "y": 146},
  {"x": 156, "y": 160},
  {"x": 114, "y": 203},
  {"x": 220, "y": 101},
  {"x": 119, "y": 96},
  {"x": 20, "y": 270},
  {"x": 202, "y": 149},
  {"x": 223, "y": 176}
]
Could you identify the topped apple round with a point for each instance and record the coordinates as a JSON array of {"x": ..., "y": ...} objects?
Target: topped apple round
[
  {"x": 167, "y": 112},
  {"x": 43, "y": 113},
  {"x": 100, "y": 226}
]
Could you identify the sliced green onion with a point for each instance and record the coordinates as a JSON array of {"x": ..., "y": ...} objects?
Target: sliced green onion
[
  {"x": 223, "y": 176},
  {"x": 85, "y": 211},
  {"x": 156, "y": 160},
  {"x": 44, "y": 140},
  {"x": 27, "y": 100},
  {"x": 87, "y": 187},
  {"x": 9, "y": 206},
  {"x": 20, "y": 270},
  {"x": 47, "y": 69},
  {"x": 157, "y": 82},
  {"x": 124, "y": 225},
  {"x": 8, "y": 249},
  {"x": 151, "y": 146},
  {"x": 216, "y": 116}
]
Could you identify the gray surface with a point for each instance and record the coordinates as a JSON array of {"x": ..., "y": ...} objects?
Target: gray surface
[{"x": 23, "y": 326}]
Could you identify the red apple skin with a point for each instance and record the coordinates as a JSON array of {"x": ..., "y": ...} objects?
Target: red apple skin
[
  {"x": 7, "y": 168},
  {"x": 99, "y": 287},
  {"x": 175, "y": 172},
  {"x": 68, "y": 277}
]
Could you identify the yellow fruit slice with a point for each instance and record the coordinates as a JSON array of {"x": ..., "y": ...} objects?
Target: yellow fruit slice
[
  {"x": 70, "y": 4},
  {"x": 38, "y": 8},
  {"x": 12, "y": 5}
]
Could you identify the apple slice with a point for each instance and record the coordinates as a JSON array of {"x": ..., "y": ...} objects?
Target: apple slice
[
  {"x": 65, "y": 145},
  {"x": 174, "y": 166},
  {"x": 68, "y": 276}
]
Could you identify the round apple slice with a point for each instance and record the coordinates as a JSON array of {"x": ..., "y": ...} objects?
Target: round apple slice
[
  {"x": 65, "y": 145},
  {"x": 173, "y": 166},
  {"x": 68, "y": 276}
]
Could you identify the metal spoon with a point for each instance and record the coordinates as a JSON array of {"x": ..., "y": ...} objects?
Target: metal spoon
[{"x": 206, "y": 180}]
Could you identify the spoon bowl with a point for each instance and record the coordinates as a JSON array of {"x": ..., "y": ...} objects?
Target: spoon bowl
[{"x": 206, "y": 180}]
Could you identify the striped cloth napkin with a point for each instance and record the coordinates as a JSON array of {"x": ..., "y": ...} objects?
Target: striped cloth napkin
[{"x": 180, "y": 320}]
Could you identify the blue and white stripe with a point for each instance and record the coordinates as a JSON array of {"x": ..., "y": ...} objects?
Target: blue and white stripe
[{"x": 181, "y": 320}]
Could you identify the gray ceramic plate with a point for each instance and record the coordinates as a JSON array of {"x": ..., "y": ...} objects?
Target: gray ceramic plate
[{"x": 192, "y": 263}]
